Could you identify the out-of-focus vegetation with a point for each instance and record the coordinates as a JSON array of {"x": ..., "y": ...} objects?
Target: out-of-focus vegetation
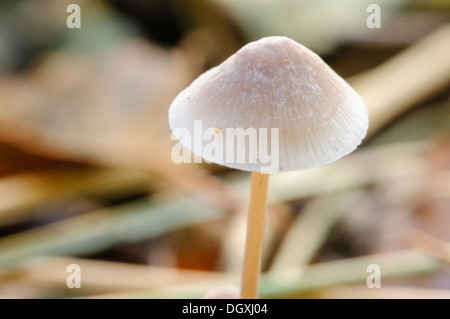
[{"x": 86, "y": 176}]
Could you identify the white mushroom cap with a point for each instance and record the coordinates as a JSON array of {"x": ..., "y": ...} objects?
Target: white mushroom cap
[{"x": 274, "y": 82}]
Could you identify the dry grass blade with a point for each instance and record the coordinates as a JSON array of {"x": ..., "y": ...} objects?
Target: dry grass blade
[
  {"x": 405, "y": 80},
  {"x": 393, "y": 264},
  {"x": 310, "y": 229},
  {"x": 22, "y": 192},
  {"x": 106, "y": 275},
  {"x": 95, "y": 231}
]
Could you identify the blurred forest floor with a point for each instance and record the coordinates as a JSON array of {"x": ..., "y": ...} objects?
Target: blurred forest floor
[{"x": 86, "y": 176}]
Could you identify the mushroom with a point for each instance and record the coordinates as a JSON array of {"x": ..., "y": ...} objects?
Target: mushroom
[{"x": 278, "y": 95}]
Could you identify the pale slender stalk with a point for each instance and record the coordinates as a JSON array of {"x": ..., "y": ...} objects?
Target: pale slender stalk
[{"x": 255, "y": 236}]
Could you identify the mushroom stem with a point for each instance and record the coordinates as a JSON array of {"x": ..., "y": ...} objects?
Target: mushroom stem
[{"x": 255, "y": 235}]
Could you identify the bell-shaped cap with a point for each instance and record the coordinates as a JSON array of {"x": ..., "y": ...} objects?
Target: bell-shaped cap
[{"x": 303, "y": 113}]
